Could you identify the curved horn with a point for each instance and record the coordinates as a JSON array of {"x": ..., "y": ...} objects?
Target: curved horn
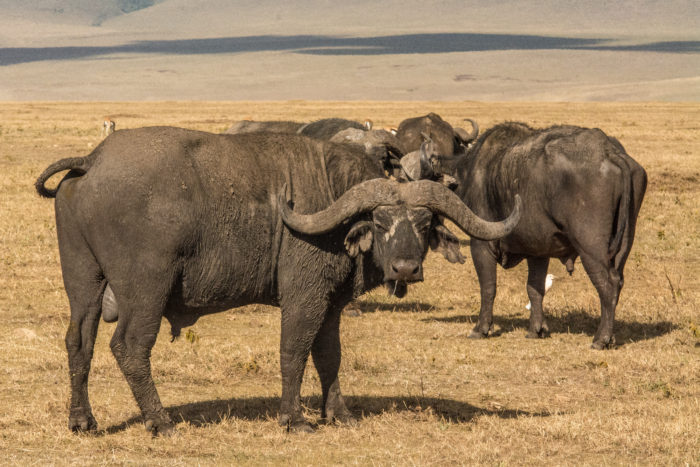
[
  {"x": 360, "y": 198},
  {"x": 442, "y": 200},
  {"x": 468, "y": 137}
]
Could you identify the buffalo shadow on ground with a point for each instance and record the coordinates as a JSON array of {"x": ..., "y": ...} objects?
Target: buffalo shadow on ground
[
  {"x": 261, "y": 408},
  {"x": 574, "y": 321},
  {"x": 408, "y": 306},
  {"x": 426, "y": 43}
]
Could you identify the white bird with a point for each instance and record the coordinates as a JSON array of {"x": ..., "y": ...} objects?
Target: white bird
[{"x": 548, "y": 281}]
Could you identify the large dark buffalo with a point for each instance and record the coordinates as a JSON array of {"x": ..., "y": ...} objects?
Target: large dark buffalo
[
  {"x": 326, "y": 128},
  {"x": 581, "y": 195},
  {"x": 251, "y": 126},
  {"x": 380, "y": 144},
  {"x": 180, "y": 223},
  {"x": 448, "y": 141},
  {"x": 367, "y": 138}
]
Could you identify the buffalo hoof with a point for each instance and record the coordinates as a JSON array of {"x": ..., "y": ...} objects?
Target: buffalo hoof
[
  {"x": 160, "y": 426},
  {"x": 82, "y": 423},
  {"x": 342, "y": 417},
  {"x": 540, "y": 334},
  {"x": 295, "y": 425},
  {"x": 603, "y": 343},
  {"x": 478, "y": 334},
  {"x": 300, "y": 427}
]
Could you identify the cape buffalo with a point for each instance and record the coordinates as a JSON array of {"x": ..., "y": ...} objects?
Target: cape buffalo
[
  {"x": 448, "y": 141},
  {"x": 326, "y": 128},
  {"x": 180, "y": 223},
  {"x": 581, "y": 196},
  {"x": 250, "y": 126},
  {"x": 380, "y": 144},
  {"x": 367, "y": 138},
  {"x": 321, "y": 129}
]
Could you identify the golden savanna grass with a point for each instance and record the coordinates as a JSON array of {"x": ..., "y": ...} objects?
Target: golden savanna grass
[{"x": 423, "y": 392}]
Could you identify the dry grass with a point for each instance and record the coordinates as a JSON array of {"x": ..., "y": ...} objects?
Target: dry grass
[{"x": 424, "y": 393}]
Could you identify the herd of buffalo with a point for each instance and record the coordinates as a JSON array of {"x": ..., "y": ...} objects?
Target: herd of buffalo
[{"x": 168, "y": 222}]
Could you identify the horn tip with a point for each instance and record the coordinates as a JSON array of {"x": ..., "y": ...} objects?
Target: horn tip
[
  {"x": 518, "y": 201},
  {"x": 517, "y": 208},
  {"x": 283, "y": 201}
]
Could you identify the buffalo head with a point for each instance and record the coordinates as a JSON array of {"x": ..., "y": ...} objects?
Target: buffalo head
[
  {"x": 403, "y": 220},
  {"x": 421, "y": 165},
  {"x": 448, "y": 140}
]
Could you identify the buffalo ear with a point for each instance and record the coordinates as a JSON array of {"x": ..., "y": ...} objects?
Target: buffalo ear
[
  {"x": 359, "y": 239},
  {"x": 462, "y": 137},
  {"x": 445, "y": 242}
]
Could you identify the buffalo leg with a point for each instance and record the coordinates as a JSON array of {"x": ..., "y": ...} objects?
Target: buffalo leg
[
  {"x": 131, "y": 345},
  {"x": 607, "y": 282},
  {"x": 80, "y": 342},
  {"x": 326, "y": 355},
  {"x": 536, "y": 277},
  {"x": 485, "y": 265},
  {"x": 84, "y": 285},
  {"x": 300, "y": 327}
]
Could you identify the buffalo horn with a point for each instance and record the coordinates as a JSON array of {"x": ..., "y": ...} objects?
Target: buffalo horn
[
  {"x": 380, "y": 191},
  {"x": 441, "y": 200},
  {"x": 360, "y": 198},
  {"x": 468, "y": 137}
]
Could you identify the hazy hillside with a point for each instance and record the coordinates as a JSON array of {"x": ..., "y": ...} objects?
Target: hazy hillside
[
  {"x": 364, "y": 49},
  {"x": 88, "y": 12},
  {"x": 45, "y": 22},
  {"x": 121, "y": 20},
  {"x": 621, "y": 17}
]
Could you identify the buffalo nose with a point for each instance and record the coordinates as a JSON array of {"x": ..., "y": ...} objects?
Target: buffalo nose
[{"x": 407, "y": 270}]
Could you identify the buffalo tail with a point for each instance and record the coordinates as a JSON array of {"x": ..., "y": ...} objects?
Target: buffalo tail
[
  {"x": 623, "y": 212},
  {"x": 80, "y": 165}
]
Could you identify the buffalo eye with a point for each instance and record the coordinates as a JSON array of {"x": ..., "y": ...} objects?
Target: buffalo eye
[
  {"x": 381, "y": 227},
  {"x": 422, "y": 220},
  {"x": 422, "y": 227},
  {"x": 382, "y": 221}
]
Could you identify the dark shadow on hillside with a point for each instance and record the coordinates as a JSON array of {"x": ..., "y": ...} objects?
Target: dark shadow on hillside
[
  {"x": 261, "y": 408},
  {"x": 573, "y": 321},
  {"x": 333, "y": 45}
]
